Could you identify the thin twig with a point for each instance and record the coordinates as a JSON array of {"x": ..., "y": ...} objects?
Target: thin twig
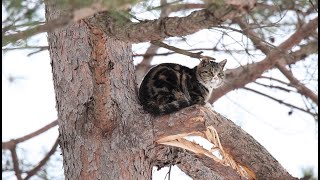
[
  {"x": 314, "y": 7},
  {"x": 195, "y": 49},
  {"x": 168, "y": 173},
  {"x": 163, "y": 5},
  {"x": 302, "y": 89},
  {"x": 274, "y": 79},
  {"x": 280, "y": 101},
  {"x": 250, "y": 72},
  {"x": 257, "y": 41},
  {"x": 40, "y": 48},
  {"x": 169, "y": 177},
  {"x": 34, "y": 23},
  {"x": 43, "y": 161},
  {"x": 265, "y": 49},
  {"x": 179, "y": 7},
  {"x": 35, "y": 52},
  {"x": 47, "y": 27},
  {"x": 25, "y": 47},
  {"x": 12, "y": 143},
  {"x": 181, "y": 51},
  {"x": 274, "y": 87}
]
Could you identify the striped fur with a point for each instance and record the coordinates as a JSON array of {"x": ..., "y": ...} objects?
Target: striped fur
[{"x": 170, "y": 87}]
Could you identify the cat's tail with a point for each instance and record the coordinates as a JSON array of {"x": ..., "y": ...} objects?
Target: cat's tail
[{"x": 166, "y": 108}]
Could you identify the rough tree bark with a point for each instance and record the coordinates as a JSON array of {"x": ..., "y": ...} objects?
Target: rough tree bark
[
  {"x": 105, "y": 134},
  {"x": 100, "y": 124}
]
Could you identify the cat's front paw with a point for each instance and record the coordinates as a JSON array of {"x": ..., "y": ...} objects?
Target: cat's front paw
[{"x": 208, "y": 105}]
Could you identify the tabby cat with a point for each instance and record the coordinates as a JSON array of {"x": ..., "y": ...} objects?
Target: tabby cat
[{"x": 170, "y": 87}]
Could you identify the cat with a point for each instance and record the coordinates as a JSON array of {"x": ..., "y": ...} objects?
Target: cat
[{"x": 169, "y": 87}]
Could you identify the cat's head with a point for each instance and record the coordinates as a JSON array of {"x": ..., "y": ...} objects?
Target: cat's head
[{"x": 210, "y": 73}]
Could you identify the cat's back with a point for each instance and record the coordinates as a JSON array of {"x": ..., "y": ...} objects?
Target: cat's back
[
  {"x": 167, "y": 67},
  {"x": 165, "y": 70},
  {"x": 161, "y": 75}
]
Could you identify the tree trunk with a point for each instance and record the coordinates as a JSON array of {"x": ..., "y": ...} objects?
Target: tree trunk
[{"x": 105, "y": 134}]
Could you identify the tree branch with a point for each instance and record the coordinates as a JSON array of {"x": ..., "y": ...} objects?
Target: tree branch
[
  {"x": 266, "y": 47},
  {"x": 40, "y": 48},
  {"x": 181, "y": 51},
  {"x": 274, "y": 79},
  {"x": 179, "y": 7},
  {"x": 70, "y": 16},
  {"x": 12, "y": 143},
  {"x": 196, "y": 166},
  {"x": 145, "y": 64},
  {"x": 280, "y": 101},
  {"x": 202, "y": 167},
  {"x": 256, "y": 40},
  {"x": 47, "y": 27},
  {"x": 15, "y": 161},
  {"x": 159, "y": 29},
  {"x": 302, "y": 89},
  {"x": 305, "y": 50},
  {"x": 241, "y": 147},
  {"x": 239, "y": 77},
  {"x": 25, "y": 47},
  {"x": 281, "y": 64},
  {"x": 273, "y": 86},
  {"x": 144, "y": 31},
  {"x": 43, "y": 161},
  {"x": 195, "y": 49}
]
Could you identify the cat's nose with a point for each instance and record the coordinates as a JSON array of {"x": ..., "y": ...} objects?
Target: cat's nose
[{"x": 215, "y": 78}]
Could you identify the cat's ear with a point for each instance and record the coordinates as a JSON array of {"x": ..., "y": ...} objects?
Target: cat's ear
[
  {"x": 222, "y": 63},
  {"x": 204, "y": 62}
]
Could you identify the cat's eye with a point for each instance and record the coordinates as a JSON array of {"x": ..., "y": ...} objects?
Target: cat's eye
[{"x": 220, "y": 74}]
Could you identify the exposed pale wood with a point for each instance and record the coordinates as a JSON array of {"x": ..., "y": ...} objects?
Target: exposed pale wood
[{"x": 236, "y": 142}]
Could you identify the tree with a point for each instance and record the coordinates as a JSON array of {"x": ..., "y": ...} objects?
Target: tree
[{"x": 105, "y": 134}]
